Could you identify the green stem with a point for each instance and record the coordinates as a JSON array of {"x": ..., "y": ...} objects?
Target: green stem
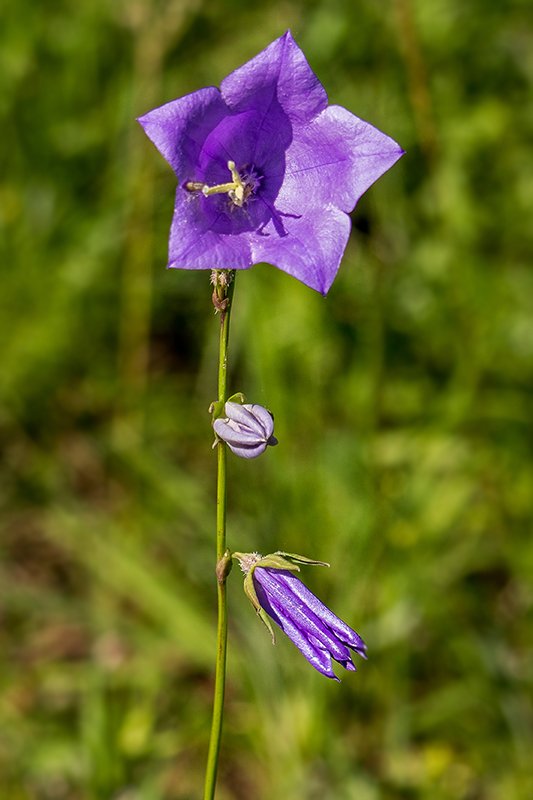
[{"x": 222, "y": 298}]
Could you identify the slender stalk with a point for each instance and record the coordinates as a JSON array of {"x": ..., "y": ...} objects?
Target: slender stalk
[{"x": 222, "y": 298}]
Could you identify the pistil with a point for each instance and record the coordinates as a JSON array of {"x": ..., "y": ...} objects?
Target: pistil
[{"x": 238, "y": 191}]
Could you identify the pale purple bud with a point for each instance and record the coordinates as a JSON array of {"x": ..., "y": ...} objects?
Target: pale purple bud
[{"x": 247, "y": 429}]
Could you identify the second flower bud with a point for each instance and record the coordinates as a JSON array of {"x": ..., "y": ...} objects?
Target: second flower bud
[{"x": 246, "y": 428}]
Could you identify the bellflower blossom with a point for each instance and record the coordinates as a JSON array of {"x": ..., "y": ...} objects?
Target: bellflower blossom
[
  {"x": 247, "y": 429},
  {"x": 315, "y": 630},
  {"x": 267, "y": 171}
]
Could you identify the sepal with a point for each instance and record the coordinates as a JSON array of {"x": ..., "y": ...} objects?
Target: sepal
[
  {"x": 251, "y": 594},
  {"x": 293, "y": 558},
  {"x": 217, "y": 406}
]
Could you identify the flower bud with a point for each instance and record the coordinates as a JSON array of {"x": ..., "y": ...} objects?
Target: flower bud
[
  {"x": 277, "y": 594},
  {"x": 247, "y": 429}
]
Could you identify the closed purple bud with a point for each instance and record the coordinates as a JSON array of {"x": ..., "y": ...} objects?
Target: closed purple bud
[
  {"x": 247, "y": 429},
  {"x": 315, "y": 630}
]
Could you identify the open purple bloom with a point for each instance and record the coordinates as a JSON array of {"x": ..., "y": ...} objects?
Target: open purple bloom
[
  {"x": 266, "y": 170},
  {"x": 315, "y": 630},
  {"x": 247, "y": 429}
]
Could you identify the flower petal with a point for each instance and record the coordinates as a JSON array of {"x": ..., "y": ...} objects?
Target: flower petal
[
  {"x": 345, "y": 633},
  {"x": 308, "y": 247},
  {"x": 335, "y": 159},
  {"x": 317, "y": 656},
  {"x": 244, "y": 416},
  {"x": 346, "y": 663},
  {"x": 179, "y": 128},
  {"x": 248, "y": 451},
  {"x": 242, "y": 436},
  {"x": 331, "y": 162},
  {"x": 264, "y": 417},
  {"x": 195, "y": 244},
  {"x": 281, "y": 71},
  {"x": 284, "y": 600}
]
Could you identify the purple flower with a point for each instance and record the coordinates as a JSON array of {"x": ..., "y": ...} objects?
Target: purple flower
[
  {"x": 315, "y": 630},
  {"x": 247, "y": 429},
  {"x": 266, "y": 170}
]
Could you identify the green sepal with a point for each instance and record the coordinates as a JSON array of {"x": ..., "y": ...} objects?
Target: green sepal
[
  {"x": 263, "y": 616},
  {"x": 276, "y": 561},
  {"x": 296, "y": 559},
  {"x": 217, "y": 406},
  {"x": 251, "y": 594},
  {"x": 237, "y": 398}
]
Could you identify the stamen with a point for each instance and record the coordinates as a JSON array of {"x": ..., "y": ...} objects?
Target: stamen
[
  {"x": 194, "y": 186},
  {"x": 237, "y": 190}
]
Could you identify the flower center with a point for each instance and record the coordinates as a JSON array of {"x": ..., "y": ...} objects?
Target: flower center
[{"x": 240, "y": 188}]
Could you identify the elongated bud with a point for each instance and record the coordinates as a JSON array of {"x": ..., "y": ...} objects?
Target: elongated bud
[{"x": 276, "y": 593}]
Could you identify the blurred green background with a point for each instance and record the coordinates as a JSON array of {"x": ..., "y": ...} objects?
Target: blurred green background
[{"x": 403, "y": 405}]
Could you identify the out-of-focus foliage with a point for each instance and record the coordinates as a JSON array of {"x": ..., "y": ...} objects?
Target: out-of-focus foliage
[{"x": 402, "y": 403}]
